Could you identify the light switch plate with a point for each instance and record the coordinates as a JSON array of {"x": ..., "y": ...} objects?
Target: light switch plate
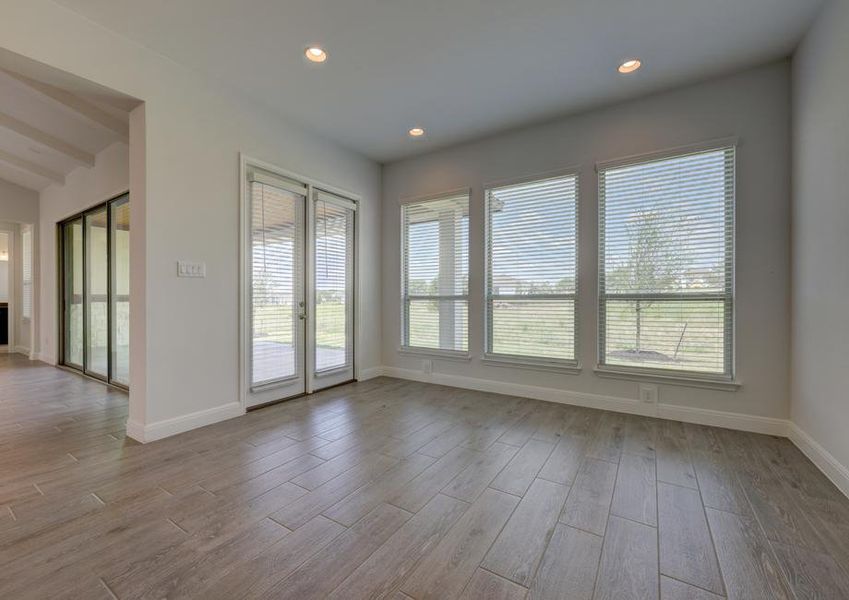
[{"x": 190, "y": 269}]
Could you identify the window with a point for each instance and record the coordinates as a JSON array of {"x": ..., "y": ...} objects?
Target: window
[
  {"x": 435, "y": 273},
  {"x": 26, "y": 255},
  {"x": 666, "y": 264},
  {"x": 531, "y": 251}
]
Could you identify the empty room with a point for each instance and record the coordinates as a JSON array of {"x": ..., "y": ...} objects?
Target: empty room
[{"x": 500, "y": 300}]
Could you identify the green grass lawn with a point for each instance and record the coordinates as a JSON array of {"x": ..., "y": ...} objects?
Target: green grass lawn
[
  {"x": 674, "y": 335},
  {"x": 274, "y": 323}
]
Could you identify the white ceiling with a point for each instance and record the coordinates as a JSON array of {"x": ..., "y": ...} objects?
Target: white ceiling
[
  {"x": 52, "y": 123},
  {"x": 459, "y": 68}
]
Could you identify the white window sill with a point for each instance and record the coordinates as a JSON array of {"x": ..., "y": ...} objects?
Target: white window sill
[
  {"x": 533, "y": 365},
  {"x": 685, "y": 380},
  {"x": 435, "y": 353}
]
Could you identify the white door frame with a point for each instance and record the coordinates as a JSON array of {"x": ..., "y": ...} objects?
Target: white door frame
[
  {"x": 245, "y": 162},
  {"x": 12, "y": 283}
]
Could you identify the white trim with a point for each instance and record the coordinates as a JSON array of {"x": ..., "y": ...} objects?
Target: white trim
[
  {"x": 725, "y": 419},
  {"x": 695, "y": 148},
  {"x": 684, "y": 379},
  {"x": 168, "y": 427},
  {"x": 370, "y": 373},
  {"x": 516, "y": 362},
  {"x": 445, "y": 195},
  {"x": 435, "y": 353},
  {"x": 570, "y": 171},
  {"x": 728, "y": 420},
  {"x": 822, "y": 458}
]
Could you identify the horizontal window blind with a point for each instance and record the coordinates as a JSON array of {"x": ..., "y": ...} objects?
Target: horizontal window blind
[
  {"x": 435, "y": 273},
  {"x": 334, "y": 266},
  {"x": 531, "y": 260},
  {"x": 26, "y": 256},
  {"x": 277, "y": 226},
  {"x": 666, "y": 263}
]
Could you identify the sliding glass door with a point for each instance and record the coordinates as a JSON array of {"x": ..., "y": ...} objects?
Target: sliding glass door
[
  {"x": 72, "y": 293},
  {"x": 119, "y": 245},
  {"x": 298, "y": 283},
  {"x": 94, "y": 266},
  {"x": 96, "y": 302}
]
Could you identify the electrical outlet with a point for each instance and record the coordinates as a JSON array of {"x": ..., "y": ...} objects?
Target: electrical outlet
[
  {"x": 427, "y": 366},
  {"x": 190, "y": 269},
  {"x": 648, "y": 393}
]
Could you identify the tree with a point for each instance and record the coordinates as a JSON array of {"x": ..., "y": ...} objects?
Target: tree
[{"x": 652, "y": 265}]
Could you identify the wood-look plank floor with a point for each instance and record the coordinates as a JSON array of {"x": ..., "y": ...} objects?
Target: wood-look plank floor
[{"x": 397, "y": 489}]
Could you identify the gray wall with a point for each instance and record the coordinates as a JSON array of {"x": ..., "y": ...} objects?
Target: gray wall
[
  {"x": 753, "y": 105},
  {"x": 821, "y": 232}
]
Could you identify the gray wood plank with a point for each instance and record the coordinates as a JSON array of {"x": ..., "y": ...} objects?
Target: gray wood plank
[
  {"x": 446, "y": 570},
  {"x": 261, "y": 573},
  {"x": 387, "y": 567},
  {"x": 476, "y": 477},
  {"x": 418, "y": 492},
  {"x": 520, "y": 545},
  {"x": 748, "y": 565},
  {"x": 672, "y": 589},
  {"x": 565, "y": 460},
  {"x": 488, "y": 586},
  {"x": 686, "y": 548},
  {"x": 812, "y": 574},
  {"x": 569, "y": 566},
  {"x": 588, "y": 503},
  {"x": 628, "y": 566},
  {"x": 673, "y": 455},
  {"x": 315, "y": 502},
  {"x": 521, "y": 471},
  {"x": 318, "y": 576},
  {"x": 635, "y": 496}
]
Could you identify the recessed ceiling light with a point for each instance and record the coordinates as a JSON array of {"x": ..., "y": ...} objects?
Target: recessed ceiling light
[
  {"x": 630, "y": 65},
  {"x": 416, "y": 132},
  {"x": 315, "y": 54}
]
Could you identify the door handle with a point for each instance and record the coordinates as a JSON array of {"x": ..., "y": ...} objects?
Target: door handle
[{"x": 302, "y": 316}]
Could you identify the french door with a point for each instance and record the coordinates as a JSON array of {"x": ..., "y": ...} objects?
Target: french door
[
  {"x": 299, "y": 293},
  {"x": 94, "y": 266}
]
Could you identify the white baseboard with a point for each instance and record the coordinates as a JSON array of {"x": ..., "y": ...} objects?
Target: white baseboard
[
  {"x": 370, "y": 373},
  {"x": 725, "y": 419},
  {"x": 168, "y": 427},
  {"x": 44, "y": 357},
  {"x": 822, "y": 458},
  {"x": 686, "y": 414}
]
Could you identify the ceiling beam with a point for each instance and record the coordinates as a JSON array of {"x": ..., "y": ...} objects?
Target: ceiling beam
[
  {"x": 20, "y": 163},
  {"x": 42, "y": 138},
  {"x": 75, "y": 105}
]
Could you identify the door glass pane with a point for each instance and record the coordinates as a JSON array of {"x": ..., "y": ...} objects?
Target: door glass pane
[
  {"x": 72, "y": 259},
  {"x": 276, "y": 282},
  {"x": 334, "y": 235},
  {"x": 97, "y": 320},
  {"x": 120, "y": 254}
]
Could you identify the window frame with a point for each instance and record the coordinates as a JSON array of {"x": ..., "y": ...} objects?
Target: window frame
[
  {"x": 725, "y": 380},
  {"x": 405, "y": 298},
  {"x": 539, "y": 363}
]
